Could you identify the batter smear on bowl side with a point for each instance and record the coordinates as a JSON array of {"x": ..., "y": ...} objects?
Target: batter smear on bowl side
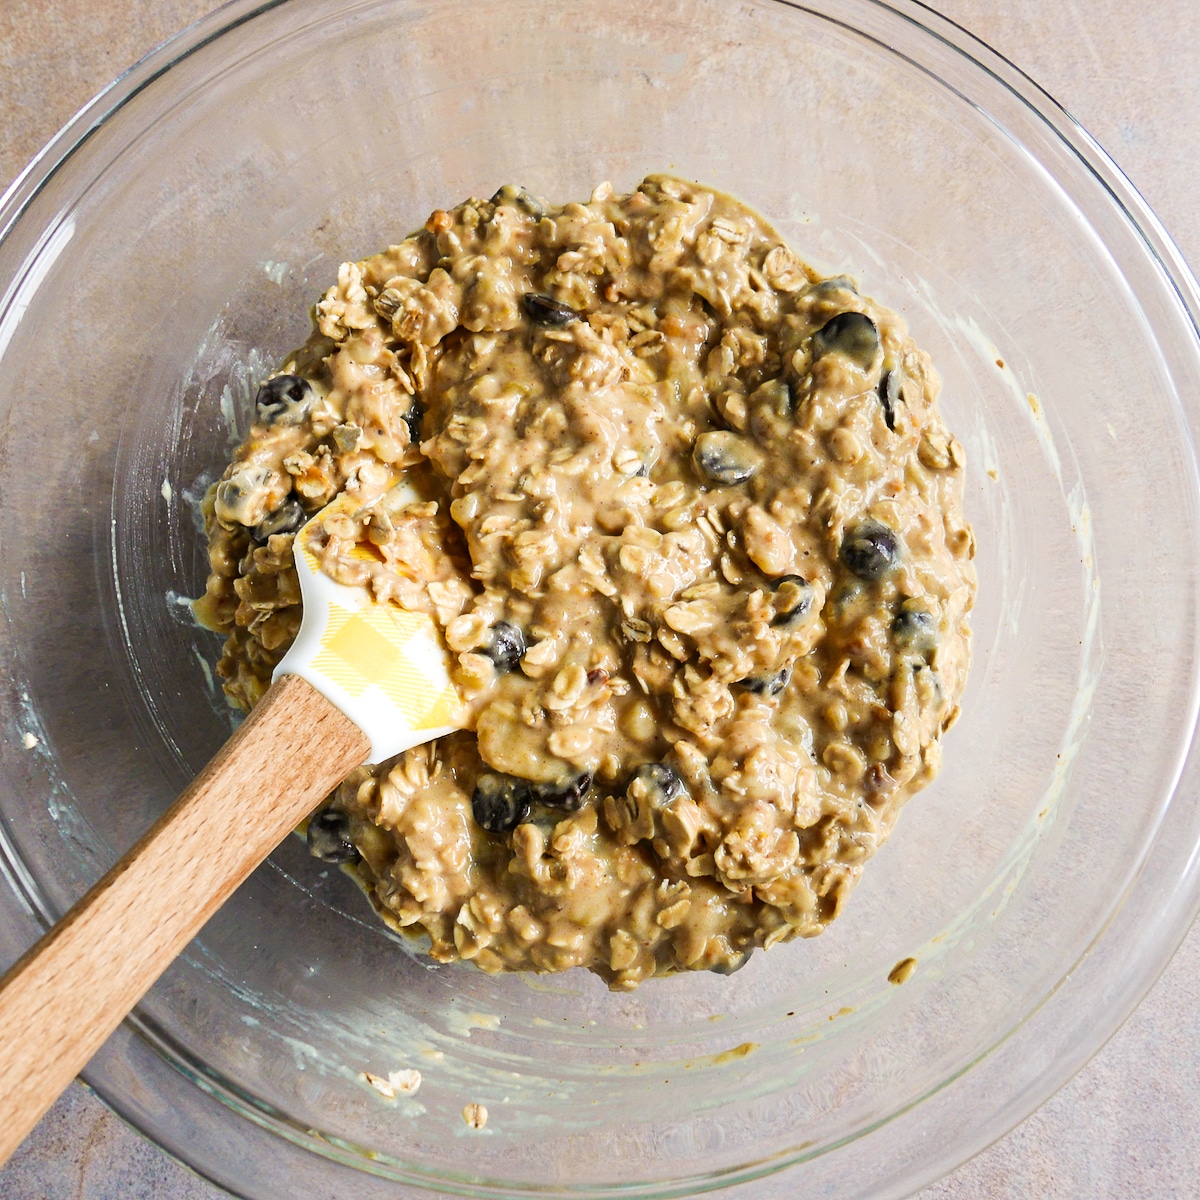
[{"x": 692, "y": 528}]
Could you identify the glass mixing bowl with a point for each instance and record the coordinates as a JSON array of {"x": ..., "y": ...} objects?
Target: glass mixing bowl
[{"x": 163, "y": 252}]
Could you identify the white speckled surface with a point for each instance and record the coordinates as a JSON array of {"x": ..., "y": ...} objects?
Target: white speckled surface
[{"x": 1128, "y": 1126}]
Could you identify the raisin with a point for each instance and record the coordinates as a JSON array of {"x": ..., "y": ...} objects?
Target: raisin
[
  {"x": 870, "y": 550},
  {"x": 852, "y": 334},
  {"x": 328, "y": 837},
  {"x": 545, "y": 310}
]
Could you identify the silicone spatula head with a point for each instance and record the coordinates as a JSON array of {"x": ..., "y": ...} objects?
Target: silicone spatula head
[{"x": 385, "y": 667}]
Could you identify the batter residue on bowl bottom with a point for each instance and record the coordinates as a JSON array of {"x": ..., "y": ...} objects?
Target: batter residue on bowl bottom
[{"x": 692, "y": 527}]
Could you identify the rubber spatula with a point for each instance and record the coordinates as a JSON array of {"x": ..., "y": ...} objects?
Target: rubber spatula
[{"x": 362, "y": 682}]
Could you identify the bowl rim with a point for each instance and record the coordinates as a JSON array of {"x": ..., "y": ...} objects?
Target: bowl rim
[{"x": 1099, "y": 963}]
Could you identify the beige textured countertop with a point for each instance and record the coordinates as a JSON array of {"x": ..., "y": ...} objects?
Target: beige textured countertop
[{"x": 1128, "y": 1126}]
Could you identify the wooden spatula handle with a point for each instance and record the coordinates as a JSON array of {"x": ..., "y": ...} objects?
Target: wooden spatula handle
[{"x": 60, "y": 1002}]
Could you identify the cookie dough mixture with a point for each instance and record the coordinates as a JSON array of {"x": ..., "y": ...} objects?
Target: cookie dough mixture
[{"x": 691, "y": 525}]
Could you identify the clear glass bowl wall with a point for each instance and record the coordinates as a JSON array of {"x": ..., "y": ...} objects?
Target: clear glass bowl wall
[{"x": 164, "y": 254}]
